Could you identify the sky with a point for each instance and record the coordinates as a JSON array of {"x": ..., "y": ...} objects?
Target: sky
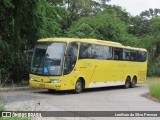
[{"x": 135, "y": 7}]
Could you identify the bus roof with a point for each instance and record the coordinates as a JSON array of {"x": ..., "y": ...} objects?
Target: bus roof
[{"x": 93, "y": 41}]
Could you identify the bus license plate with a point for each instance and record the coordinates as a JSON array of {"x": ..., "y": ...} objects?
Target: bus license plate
[{"x": 42, "y": 86}]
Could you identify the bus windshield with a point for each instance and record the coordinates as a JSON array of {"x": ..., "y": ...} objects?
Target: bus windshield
[{"x": 48, "y": 58}]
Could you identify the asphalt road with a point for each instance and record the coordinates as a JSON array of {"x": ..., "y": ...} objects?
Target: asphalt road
[{"x": 99, "y": 99}]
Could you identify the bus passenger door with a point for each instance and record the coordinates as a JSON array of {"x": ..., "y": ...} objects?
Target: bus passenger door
[{"x": 70, "y": 65}]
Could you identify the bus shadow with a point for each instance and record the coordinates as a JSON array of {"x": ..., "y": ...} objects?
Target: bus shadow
[
  {"x": 85, "y": 91},
  {"x": 58, "y": 93}
]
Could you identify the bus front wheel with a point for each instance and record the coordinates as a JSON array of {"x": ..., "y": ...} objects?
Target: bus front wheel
[
  {"x": 127, "y": 83},
  {"x": 50, "y": 90},
  {"x": 78, "y": 86}
]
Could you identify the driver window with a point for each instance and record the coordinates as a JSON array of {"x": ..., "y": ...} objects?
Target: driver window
[{"x": 71, "y": 57}]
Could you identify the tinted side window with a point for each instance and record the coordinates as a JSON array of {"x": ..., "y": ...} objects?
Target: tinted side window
[
  {"x": 117, "y": 53},
  {"x": 95, "y": 51},
  {"x": 129, "y": 55},
  {"x": 141, "y": 56},
  {"x": 106, "y": 52},
  {"x": 85, "y": 51},
  {"x": 133, "y": 55},
  {"x": 126, "y": 54}
]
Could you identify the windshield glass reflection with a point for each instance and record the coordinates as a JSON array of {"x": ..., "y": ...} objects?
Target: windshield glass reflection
[{"x": 48, "y": 58}]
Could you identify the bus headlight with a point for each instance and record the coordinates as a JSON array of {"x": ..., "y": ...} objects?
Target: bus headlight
[
  {"x": 32, "y": 79},
  {"x": 55, "y": 80}
]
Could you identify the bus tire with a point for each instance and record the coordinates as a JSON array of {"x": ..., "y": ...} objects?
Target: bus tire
[
  {"x": 50, "y": 90},
  {"x": 127, "y": 83},
  {"x": 78, "y": 86},
  {"x": 133, "y": 83}
]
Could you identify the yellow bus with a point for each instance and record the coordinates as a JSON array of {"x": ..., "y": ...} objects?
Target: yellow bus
[{"x": 76, "y": 64}]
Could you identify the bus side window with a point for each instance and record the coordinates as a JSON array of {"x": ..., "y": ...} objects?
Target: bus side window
[
  {"x": 85, "y": 51},
  {"x": 127, "y": 55},
  {"x": 70, "y": 57},
  {"x": 105, "y": 52},
  {"x": 95, "y": 51},
  {"x": 141, "y": 56},
  {"x": 117, "y": 53},
  {"x": 133, "y": 56}
]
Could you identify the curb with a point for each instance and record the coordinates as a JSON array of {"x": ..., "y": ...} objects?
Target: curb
[
  {"x": 150, "y": 97},
  {"x": 12, "y": 89}
]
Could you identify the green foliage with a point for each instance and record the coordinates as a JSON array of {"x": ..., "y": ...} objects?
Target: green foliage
[
  {"x": 7, "y": 3},
  {"x": 146, "y": 28},
  {"x": 154, "y": 89},
  {"x": 139, "y": 26},
  {"x": 150, "y": 13},
  {"x": 21, "y": 24},
  {"x": 103, "y": 26},
  {"x": 2, "y": 108},
  {"x": 81, "y": 8},
  {"x": 15, "y": 118},
  {"x": 117, "y": 11},
  {"x": 48, "y": 27}
]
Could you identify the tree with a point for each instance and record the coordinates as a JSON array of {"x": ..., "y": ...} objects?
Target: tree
[
  {"x": 117, "y": 11},
  {"x": 148, "y": 31},
  {"x": 103, "y": 1},
  {"x": 150, "y": 13},
  {"x": 139, "y": 26},
  {"x": 155, "y": 42},
  {"x": 103, "y": 26},
  {"x": 21, "y": 24},
  {"x": 81, "y": 8}
]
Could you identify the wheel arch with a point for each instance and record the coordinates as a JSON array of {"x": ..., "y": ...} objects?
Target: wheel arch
[
  {"x": 135, "y": 76},
  {"x": 83, "y": 81},
  {"x": 128, "y": 76}
]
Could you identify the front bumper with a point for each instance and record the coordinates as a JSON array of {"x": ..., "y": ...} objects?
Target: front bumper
[{"x": 54, "y": 86}]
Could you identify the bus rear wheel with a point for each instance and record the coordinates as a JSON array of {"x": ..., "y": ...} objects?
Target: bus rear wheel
[
  {"x": 133, "y": 83},
  {"x": 127, "y": 83},
  {"x": 78, "y": 86}
]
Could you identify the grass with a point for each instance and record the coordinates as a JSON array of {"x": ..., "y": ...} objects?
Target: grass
[
  {"x": 2, "y": 108},
  {"x": 153, "y": 78},
  {"x": 14, "y": 118},
  {"x": 23, "y": 83},
  {"x": 154, "y": 88}
]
